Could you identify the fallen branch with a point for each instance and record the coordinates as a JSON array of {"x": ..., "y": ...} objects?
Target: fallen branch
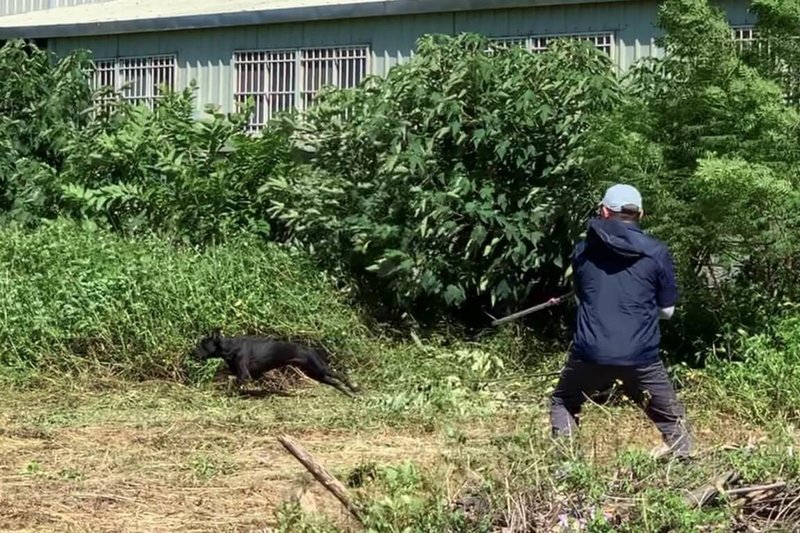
[
  {"x": 705, "y": 493},
  {"x": 333, "y": 485},
  {"x": 755, "y": 489}
]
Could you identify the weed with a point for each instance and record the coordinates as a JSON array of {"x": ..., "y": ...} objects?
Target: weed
[
  {"x": 34, "y": 468},
  {"x": 70, "y": 474},
  {"x": 762, "y": 376},
  {"x": 205, "y": 468}
]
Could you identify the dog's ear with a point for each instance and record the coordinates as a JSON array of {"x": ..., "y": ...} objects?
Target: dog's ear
[{"x": 216, "y": 333}]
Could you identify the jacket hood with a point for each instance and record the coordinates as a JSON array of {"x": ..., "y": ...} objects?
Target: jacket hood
[{"x": 618, "y": 237}]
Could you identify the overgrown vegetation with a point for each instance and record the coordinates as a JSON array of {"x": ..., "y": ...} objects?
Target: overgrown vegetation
[
  {"x": 73, "y": 295},
  {"x": 460, "y": 181},
  {"x": 456, "y": 184},
  {"x": 720, "y": 163}
]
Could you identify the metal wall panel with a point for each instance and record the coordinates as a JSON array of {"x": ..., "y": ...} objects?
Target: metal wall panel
[
  {"x": 66, "y": 3},
  {"x": 14, "y": 7},
  {"x": 206, "y": 55}
]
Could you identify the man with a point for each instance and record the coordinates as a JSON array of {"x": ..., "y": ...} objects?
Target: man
[{"x": 625, "y": 283}]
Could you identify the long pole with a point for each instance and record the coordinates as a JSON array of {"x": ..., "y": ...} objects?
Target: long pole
[{"x": 530, "y": 310}]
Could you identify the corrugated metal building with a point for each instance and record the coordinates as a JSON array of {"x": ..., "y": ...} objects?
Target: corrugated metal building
[
  {"x": 280, "y": 52},
  {"x": 13, "y": 7}
]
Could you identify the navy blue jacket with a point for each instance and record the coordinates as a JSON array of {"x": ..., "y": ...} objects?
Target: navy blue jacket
[{"x": 622, "y": 278}]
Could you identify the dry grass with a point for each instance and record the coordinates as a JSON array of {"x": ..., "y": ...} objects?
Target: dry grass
[
  {"x": 156, "y": 457},
  {"x": 181, "y": 479}
]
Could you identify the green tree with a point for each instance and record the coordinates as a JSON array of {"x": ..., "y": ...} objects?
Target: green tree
[{"x": 712, "y": 144}]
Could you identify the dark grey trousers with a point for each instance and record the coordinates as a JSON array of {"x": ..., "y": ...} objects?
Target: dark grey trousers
[{"x": 648, "y": 386}]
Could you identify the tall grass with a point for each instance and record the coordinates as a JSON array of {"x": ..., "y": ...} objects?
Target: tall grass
[
  {"x": 760, "y": 380},
  {"x": 71, "y": 294}
]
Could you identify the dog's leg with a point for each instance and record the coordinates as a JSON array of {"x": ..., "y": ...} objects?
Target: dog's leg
[
  {"x": 329, "y": 380},
  {"x": 314, "y": 368},
  {"x": 242, "y": 372},
  {"x": 325, "y": 369},
  {"x": 344, "y": 378}
]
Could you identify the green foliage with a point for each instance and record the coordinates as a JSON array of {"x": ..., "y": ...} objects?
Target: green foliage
[
  {"x": 410, "y": 503},
  {"x": 712, "y": 145},
  {"x": 776, "y": 52},
  {"x": 760, "y": 377},
  {"x": 130, "y": 168},
  {"x": 42, "y": 100},
  {"x": 73, "y": 296},
  {"x": 455, "y": 382},
  {"x": 703, "y": 99},
  {"x": 42, "y": 104},
  {"x": 164, "y": 170},
  {"x": 401, "y": 500},
  {"x": 457, "y": 177},
  {"x": 539, "y": 490},
  {"x": 462, "y": 179}
]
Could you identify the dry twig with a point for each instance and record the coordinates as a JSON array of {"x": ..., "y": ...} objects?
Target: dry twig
[{"x": 333, "y": 485}]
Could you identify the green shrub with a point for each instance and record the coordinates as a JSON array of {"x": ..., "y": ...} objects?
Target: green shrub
[
  {"x": 72, "y": 296},
  {"x": 130, "y": 168},
  {"x": 42, "y": 99},
  {"x": 712, "y": 145},
  {"x": 165, "y": 170},
  {"x": 460, "y": 181},
  {"x": 778, "y": 24},
  {"x": 455, "y": 178},
  {"x": 410, "y": 502}
]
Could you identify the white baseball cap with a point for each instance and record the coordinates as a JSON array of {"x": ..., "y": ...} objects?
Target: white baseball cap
[{"x": 619, "y": 196}]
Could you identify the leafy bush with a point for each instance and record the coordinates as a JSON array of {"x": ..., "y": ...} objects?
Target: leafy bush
[
  {"x": 131, "y": 168},
  {"x": 72, "y": 295},
  {"x": 401, "y": 499},
  {"x": 410, "y": 504},
  {"x": 776, "y": 53},
  {"x": 456, "y": 177},
  {"x": 42, "y": 100},
  {"x": 462, "y": 179},
  {"x": 167, "y": 171}
]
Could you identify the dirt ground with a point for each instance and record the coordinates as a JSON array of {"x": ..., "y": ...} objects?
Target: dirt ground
[{"x": 159, "y": 458}]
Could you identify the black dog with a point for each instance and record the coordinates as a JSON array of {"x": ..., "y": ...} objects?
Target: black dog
[{"x": 249, "y": 357}]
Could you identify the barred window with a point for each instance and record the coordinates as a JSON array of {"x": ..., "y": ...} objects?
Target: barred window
[
  {"x": 540, "y": 43},
  {"x": 281, "y": 80},
  {"x": 137, "y": 79},
  {"x": 269, "y": 78},
  {"x": 744, "y": 37},
  {"x": 602, "y": 41},
  {"x": 104, "y": 76},
  {"x": 744, "y": 34},
  {"x": 343, "y": 68},
  {"x": 507, "y": 42}
]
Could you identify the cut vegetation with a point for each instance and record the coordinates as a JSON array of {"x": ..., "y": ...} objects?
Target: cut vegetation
[{"x": 128, "y": 234}]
